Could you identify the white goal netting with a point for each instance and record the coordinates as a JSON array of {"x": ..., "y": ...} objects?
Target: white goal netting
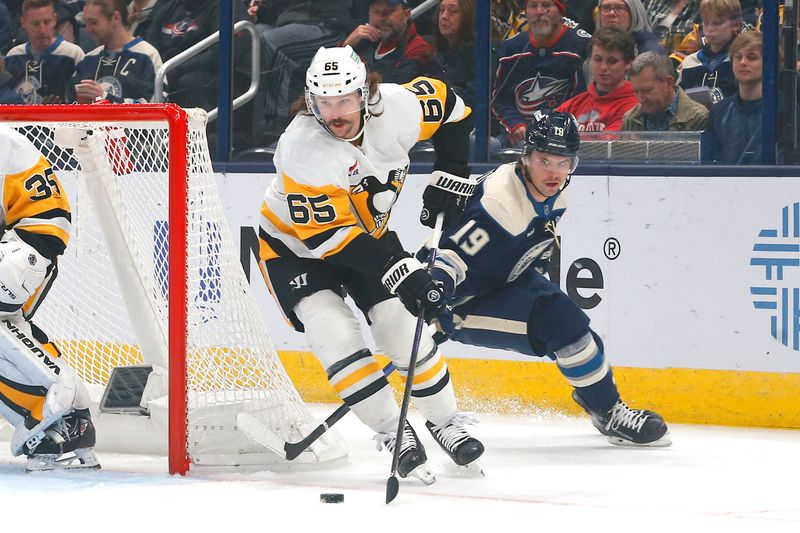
[{"x": 109, "y": 306}]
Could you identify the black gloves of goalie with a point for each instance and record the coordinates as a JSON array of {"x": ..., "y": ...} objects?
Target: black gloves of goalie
[
  {"x": 446, "y": 193},
  {"x": 406, "y": 278}
]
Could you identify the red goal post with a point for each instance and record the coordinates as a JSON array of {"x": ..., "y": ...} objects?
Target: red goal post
[{"x": 122, "y": 299}]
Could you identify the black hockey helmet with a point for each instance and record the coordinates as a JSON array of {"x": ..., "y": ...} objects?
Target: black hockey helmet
[{"x": 552, "y": 132}]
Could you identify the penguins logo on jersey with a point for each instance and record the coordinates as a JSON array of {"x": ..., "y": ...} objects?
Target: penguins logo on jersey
[
  {"x": 378, "y": 197},
  {"x": 539, "y": 91}
]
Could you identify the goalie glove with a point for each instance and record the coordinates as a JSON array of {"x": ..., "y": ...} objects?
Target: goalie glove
[
  {"x": 446, "y": 193},
  {"x": 405, "y": 277}
]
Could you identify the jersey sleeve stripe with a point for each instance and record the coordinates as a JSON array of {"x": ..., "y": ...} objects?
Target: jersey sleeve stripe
[{"x": 45, "y": 231}]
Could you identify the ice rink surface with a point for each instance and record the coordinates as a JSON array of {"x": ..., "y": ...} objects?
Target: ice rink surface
[{"x": 543, "y": 473}]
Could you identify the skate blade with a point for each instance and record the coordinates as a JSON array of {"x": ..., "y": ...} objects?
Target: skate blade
[
  {"x": 424, "y": 474},
  {"x": 663, "y": 442},
  {"x": 471, "y": 470}
]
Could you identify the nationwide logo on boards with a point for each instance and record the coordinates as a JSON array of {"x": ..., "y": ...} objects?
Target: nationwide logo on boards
[{"x": 776, "y": 254}]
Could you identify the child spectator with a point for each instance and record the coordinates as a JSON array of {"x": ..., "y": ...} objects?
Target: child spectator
[
  {"x": 609, "y": 96},
  {"x": 733, "y": 132},
  {"x": 710, "y": 66}
]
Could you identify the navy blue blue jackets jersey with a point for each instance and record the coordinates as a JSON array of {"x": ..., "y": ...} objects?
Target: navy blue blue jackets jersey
[
  {"x": 705, "y": 68},
  {"x": 47, "y": 73},
  {"x": 533, "y": 75},
  {"x": 127, "y": 76},
  {"x": 503, "y": 233}
]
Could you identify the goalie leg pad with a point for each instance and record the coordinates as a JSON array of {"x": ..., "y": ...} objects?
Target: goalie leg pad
[{"x": 393, "y": 329}]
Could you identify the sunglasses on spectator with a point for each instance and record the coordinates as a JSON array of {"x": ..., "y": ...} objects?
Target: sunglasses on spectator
[{"x": 618, "y": 8}]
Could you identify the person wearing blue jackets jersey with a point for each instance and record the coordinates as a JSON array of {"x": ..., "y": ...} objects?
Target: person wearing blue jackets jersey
[
  {"x": 42, "y": 67},
  {"x": 123, "y": 69},
  {"x": 491, "y": 267},
  {"x": 538, "y": 69}
]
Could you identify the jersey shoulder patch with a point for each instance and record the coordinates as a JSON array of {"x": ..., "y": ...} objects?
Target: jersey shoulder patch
[{"x": 505, "y": 199}]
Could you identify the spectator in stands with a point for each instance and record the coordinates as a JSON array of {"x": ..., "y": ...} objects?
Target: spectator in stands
[
  {"x": 7, "y": 93},
  {"x": 710, "y": 67},
  {"x": 582, "y": 12},
  {"x": 123, "y": 68},
  {"x": 41, "y": 68},
  {"x": 298, "y": 30},
  {"x": 630, "y": 16},
  {"x": 389, "y": 43},
  {"x": 602, "y": 105},
  {"x": 140, "y": 16},
  {"x": 672, "y": 20},
  {"x": 7, "y": 30},
  {"x": 454, "y": 46},
  {"x": 507, "y": 20},
  {"x": 662, "y": 105},
  {"x": 733, "y": 132},
  {"x": 537, "y": 69},
  {"x": 177, "y": 25}
]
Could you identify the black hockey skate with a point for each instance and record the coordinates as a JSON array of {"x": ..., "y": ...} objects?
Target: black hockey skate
[
  {"x": 412, "y": 454},
  {"x": 628, "y": 427},
  {"x": 67, "y": 444},
  {"x": 462, "y": 448}
]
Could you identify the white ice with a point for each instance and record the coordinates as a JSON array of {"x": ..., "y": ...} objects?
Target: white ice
[{"x": 542, "y": 473}]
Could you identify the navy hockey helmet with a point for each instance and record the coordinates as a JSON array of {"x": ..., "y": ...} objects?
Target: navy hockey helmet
[{"x": 552, "y": 132}]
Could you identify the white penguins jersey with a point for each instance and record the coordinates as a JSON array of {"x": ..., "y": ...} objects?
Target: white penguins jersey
[
  {"x": 33, "y": 202},
  {"x": 328, "y": 191}
]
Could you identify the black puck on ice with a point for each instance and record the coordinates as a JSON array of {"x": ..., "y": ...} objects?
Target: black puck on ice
[{"x": 331, "y": 497}]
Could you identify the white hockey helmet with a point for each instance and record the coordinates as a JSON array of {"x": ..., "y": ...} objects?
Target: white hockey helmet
[{"x": 335, "y": 72}]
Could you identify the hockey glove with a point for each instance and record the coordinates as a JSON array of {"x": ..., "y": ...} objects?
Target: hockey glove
[
  {"x": 446, "y": 193},
  {"x": 405, "y": 277}
]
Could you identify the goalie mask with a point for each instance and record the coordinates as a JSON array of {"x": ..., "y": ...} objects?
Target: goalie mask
[
  {"x": 552, "y": 132},
  {"x": 337, "y": 92}
]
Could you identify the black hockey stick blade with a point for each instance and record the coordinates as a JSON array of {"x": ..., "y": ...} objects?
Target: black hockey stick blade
[{"x": 392, "y": 488}]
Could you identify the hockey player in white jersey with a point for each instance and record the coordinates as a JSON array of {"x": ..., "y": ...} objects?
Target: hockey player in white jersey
[
  {"x": 323, "y": 234},
  {"x": 40, "y": 395},
  {"x": 491, "y": 265}
]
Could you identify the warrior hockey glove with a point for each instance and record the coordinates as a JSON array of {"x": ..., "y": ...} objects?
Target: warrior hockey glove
[
  {"x": 448, "y": 194},
  {"x": 405, "y": 277}
]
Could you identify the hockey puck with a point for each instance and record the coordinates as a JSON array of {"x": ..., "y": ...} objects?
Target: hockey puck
[{"x": 331, "y": 497}]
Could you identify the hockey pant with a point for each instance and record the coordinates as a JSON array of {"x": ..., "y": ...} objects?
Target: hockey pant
[
  {"x": 356, "y": 376},
  {"x": 37, "y": 387},
  {"x": 533, "y": 316}
]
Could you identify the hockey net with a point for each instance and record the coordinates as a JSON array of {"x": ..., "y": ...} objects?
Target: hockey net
[{"x": 151, "y": 276}]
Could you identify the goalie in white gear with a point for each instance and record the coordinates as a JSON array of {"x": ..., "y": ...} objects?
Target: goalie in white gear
[
  {"x": 40, "y": 395},
  {"x": 323, "y": 233}
]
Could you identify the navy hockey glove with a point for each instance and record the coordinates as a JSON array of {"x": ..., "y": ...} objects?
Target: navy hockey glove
[
  {"x": 446, "y": 193},
  {"x": 405, "y": 277}
]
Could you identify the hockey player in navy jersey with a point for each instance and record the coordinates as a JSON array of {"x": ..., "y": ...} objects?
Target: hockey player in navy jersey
[
  {"x": 123, "y": 69},
  {"x": 538, "y": 69},
  {"x": 42, "y": 67},
  {"x": 491, "y": 265}
]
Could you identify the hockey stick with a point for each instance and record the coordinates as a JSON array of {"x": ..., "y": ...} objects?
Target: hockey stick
[
  {"x": 392, "y": 484},
  {"x": 262, "y": 434}
]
